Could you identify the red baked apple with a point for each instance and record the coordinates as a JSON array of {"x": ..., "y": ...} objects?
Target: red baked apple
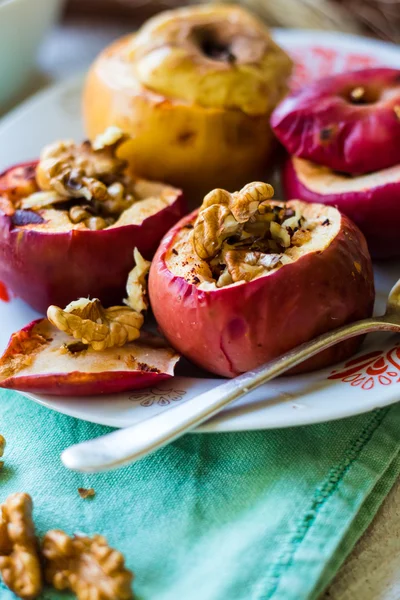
[
  {"x": 69, "y": 224},
  {"x": 42, "y": 359},
  {"x": 372, "y": 201},
  {"x": 248, "y": 278},
  {"x": 349, "y": 122}
]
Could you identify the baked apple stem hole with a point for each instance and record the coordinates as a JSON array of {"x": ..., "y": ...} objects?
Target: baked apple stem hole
[
  {"x": 212, "y": 47},
  {"x": 363, "y": 95}
]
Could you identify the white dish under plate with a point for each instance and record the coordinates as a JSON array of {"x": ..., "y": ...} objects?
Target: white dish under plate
[{"x": 366, "y": 382}]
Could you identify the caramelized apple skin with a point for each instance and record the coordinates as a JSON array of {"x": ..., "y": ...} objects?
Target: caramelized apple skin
[
  {"x": 237, "y": 328},
  {"x": 45, "y": 268},
  {"x": 376, "y": 210}
]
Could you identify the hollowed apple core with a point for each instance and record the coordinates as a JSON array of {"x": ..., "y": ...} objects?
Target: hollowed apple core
[
  {"x": 42, "y": 358},
  {"x": 322, "y": 223}
]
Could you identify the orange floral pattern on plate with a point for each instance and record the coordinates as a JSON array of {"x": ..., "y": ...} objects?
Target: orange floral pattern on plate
[
  {"x": 369, "y": 370},
  {"x": 316, "y": 61}
]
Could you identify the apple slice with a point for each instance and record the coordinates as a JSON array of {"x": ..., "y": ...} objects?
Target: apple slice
[
  {"x": 371, "y": 200},
  {"x": 248, "y": 278},
  {"x": 42, "y": 359}
]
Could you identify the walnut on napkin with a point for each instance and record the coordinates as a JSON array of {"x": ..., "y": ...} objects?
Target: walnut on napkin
[
  {"x": 86, "y": 566},
  {"x": 19, "y": 557},
  {"x": 2, "y": 446}
]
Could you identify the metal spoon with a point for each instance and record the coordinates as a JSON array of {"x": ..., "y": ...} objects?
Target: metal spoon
[{"x": 128, "y": 445}]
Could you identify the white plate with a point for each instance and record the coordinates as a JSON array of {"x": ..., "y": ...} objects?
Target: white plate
[{"x": 360, "y": 387}]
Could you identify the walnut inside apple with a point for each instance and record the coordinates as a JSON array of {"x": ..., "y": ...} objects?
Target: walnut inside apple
[
  {"x": 242, "y": 236},
  {"x": 82, "y": 186}
]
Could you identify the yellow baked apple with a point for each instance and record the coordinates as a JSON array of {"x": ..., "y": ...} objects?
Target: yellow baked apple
[{"x": 194, "y": 87}]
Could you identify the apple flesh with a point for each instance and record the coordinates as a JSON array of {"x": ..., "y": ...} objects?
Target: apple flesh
[
  {"x": 45, "y": 260},
  {"x": 349, "y": 122},
  {"x": 233, "y": 329},
  {"x": 372, "y": 201},
  {"x": 37, "y": 360}
]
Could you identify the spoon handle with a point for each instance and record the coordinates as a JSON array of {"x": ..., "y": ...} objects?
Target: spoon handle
[{"x": 125, "y": 446}]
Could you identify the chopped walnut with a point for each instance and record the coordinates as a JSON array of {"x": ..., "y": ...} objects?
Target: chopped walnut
[
  {"x": 136, "y": 287},
  {"x": 86, "y": 493},
  {"x": 86, "y": 566},
  {"x": 222, "y": 215},
  {"x": 92, "y": 172},
  {"x": 245, "y": 266},
  {"x": 300, "y": 237},
  {"x": 243, "y": 235},
  {"x": 41, "y": 200},
  {"x": 2, "y": 446},
  {"x": 87, "y": 321},
  {"x": 19, "y": 558}
]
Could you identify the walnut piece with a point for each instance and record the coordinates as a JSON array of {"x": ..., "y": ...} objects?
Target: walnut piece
[
  {"x": 92, "y": 172},
  {"x": 19, "y": 559},
  {"x": 86, "y": 566},
  {"x": 243, "y": 265},
  {"x": 2, "y": 446},
  {"x": 86, "y": 493},
  {"x": 136, "y": 287},
  {"x": 223, "y": 215},
  {"x": 87, "y": 321}
]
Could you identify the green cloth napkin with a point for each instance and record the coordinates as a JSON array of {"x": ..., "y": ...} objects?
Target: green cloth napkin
[{"x": 233, "y": 516}]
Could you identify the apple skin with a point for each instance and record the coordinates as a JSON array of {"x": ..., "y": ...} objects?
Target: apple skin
[
  {"x": 56, "y": 268},
  {"x": 76, "y": 383},
  {"x": 237, "y": 328},
  {"x": 376, "y": 210},
  {"x": 320, "y": 123}
]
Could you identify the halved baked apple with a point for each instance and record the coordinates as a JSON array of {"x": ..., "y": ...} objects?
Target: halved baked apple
[
  {"x": 69, "y": 222},
  {"x": 247, "y": 278}
]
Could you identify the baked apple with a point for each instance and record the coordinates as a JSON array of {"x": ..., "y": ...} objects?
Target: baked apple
[
  {"x": 349, "y": 122},
  {"x": 371, "y": 200},
  {"x": 248, "y": 278},
  {"x": 86, "y": 349},
  {"x": 200, "y": 81},
  {"x": 69, "y": 223}
]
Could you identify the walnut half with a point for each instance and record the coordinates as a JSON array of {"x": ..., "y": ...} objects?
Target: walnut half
[
  {"x": 19, "y": 559},
  {"x": 101, "y": 328},
  {"x": 136, "y": 287},
  {"x": 86, "y": 566},
  {"x": 223, "y": 215}
]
